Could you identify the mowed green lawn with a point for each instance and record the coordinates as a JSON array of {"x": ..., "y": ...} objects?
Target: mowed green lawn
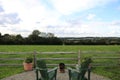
[{"x": 112, "y": 72}]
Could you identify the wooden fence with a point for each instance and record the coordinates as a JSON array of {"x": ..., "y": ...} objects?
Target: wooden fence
[
  {"x": 77, "y": 59},
  {"x": 104, "y": 58},
  {"x": 34, "y": 54}
]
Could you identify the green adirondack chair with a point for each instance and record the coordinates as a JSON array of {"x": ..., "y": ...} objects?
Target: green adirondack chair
[
  {"x": 80, "y": 71},
  {"x": 42, "y": 72}
]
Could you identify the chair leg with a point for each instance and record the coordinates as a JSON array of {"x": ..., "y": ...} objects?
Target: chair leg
[
  {"x": 89, "y": 74},
  {"x": 37, "y": 75}
]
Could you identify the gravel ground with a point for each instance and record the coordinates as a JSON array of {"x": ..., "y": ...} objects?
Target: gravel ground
[{"x": 30, "y": 75}]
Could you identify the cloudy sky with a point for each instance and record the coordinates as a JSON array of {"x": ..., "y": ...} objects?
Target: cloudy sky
[{"x": 64, "y": 18}]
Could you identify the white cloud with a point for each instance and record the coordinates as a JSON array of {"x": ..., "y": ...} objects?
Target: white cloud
[
  {"x": 31, "y": 11},
  {"x": 91, "y": 16},
  {"x": 93, "y": 29},
  {"x": 35, "y": 15},
  {"x": 67, "y": 7},
  {"x": 10, "y": 18}
]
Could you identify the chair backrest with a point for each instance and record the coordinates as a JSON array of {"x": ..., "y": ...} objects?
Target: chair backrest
[
  {"x": 41, "y": 64},
  {"x": 84, "y": 67}
]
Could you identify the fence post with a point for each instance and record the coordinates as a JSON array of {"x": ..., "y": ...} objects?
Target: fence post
[
  {"x": 79, "y": 57},
  {"x": 119, "y": 61},
  {"x": 34, "y": 57}
]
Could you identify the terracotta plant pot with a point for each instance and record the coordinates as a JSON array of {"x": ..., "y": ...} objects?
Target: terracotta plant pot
[{"x": 28, "y": 66}]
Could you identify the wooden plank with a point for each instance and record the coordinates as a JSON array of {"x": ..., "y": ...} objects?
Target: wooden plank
[
  {"x": 105, "y": 58},
  {"x": 40, "y": 58},
  {"x": 99, "y": 52},
  {"x": 56, "y": 52},
  {"x": 93, "y": 65},
  {"x": 11, "y": 58},
  {"x": 104, "y": 64},
  {"x": 35, "y": 61},
  {"x": 57, "y": 58},
  {"x": 16, "y": 52},
  {"x": 79, "y": 57},
  {"x": 37, "y": 52},
  {"x": 47, "y": 64},
  {"x": 58, "y": 64},
  {"x": 11, "y": 65}
]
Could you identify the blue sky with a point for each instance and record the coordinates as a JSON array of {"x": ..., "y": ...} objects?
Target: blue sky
[{"x": 64, "y": 18}]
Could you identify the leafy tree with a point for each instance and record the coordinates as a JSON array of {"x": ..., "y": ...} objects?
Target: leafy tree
[
  {"x": 50, "y": 35},
  {"x": 36, "y": 33},
  {"x": 0, "y": 35},
  {"x": 34, "y": 37},
  {"x": 0, "y": 38},
  {"x": 19, "y": 39}
]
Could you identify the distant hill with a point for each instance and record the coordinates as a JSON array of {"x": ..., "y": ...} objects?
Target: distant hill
[{"x": 91, "y": 40}]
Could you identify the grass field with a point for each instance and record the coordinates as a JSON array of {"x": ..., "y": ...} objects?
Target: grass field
[
  {"x": 44, "y": 48},
  {"x": 111, "y": 72}
]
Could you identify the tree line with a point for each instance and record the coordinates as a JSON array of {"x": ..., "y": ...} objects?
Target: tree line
[
  {"x": 41, "y": 38},
  {"x": 35, "y": 38}
]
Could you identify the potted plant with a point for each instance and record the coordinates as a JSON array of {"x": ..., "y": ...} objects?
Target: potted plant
[{"x": 28, "y": 64}]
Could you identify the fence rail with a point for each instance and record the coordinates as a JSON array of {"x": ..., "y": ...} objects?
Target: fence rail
[
  {"x": 78, "y": 59},
  {"x": 105, "y": 57},
  {"x": 40, "y": 58},
  {"x": 56, "y": 52},
  {"x": 99, "y": 52},
  {"x": 16, "y": 52},
  {"x": 47, "y": 64},
  {"x": 38, "y": 52}
]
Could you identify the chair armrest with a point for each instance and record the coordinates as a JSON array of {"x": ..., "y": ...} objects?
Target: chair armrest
[
  {"x": 53, "y": 69},
  {"x": 52, "y": 73},
  {"x": 37, "y": 68},
  {"x": 71, "y": 69},
  {"x": 73, "y": 74}
]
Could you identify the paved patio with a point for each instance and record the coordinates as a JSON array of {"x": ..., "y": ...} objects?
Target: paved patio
[{"x": 30, "y": 75}]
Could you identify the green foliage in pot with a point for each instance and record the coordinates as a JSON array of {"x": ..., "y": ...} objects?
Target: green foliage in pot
[{"x": 28, "y": 60}]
